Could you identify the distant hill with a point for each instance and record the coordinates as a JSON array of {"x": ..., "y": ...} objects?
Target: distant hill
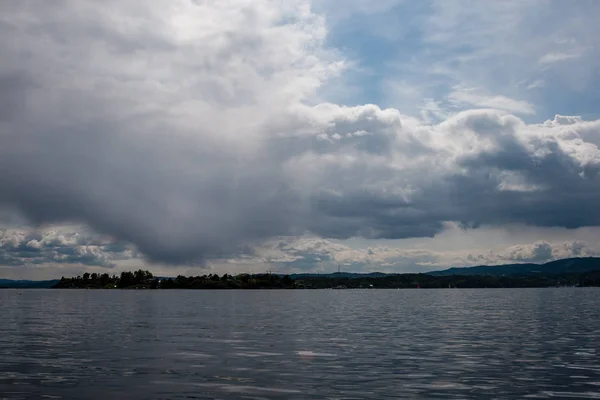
[
  {"x": 558, "y": 267},
  {"x": 553, "y": 268},
  {"x": 349, "y": 275},
  {"x": 24, "y": 284}
]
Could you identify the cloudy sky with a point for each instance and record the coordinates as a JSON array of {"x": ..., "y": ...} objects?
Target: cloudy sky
[{"x": 195, "y": 136}]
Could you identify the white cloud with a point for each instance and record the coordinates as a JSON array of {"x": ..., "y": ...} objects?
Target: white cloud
[
  {"x": 537, "y": 252},
  {"x": 557, "y": 57},
  {"x": 564, "y": 120},
  {"x": 61, "y": 245},
  {"x": 538, "y": 83},
  {"x": 193, "y": 132},
  {"x": 474, "y": 98},
  {"x": 68, "y": 251},
  {"x": 308, "y": 254},
  {"x": 495, "y": 47}
]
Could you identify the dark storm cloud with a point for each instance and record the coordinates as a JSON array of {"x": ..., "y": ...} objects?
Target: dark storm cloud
[
  {"x": 533, "y": 174},
  {"x": 192, "y": 142}
]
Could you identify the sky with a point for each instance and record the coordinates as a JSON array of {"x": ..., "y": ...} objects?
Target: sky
[{"x": 230, "y": 136}]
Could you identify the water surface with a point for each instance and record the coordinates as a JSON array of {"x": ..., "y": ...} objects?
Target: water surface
[{"x": 303, "y": 344}]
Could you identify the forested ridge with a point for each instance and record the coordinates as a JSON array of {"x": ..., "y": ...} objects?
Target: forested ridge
[{"x": 142, "y": 279}]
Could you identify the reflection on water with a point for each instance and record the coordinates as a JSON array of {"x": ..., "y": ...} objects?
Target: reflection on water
[{"x": 372, "y": 344}]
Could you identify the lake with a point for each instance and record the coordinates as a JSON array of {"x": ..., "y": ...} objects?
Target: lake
[{"x": 300, "y": 344}]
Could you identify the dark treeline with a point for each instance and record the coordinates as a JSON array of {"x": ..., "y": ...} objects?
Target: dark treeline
[
  {"x": 425, "y": 281},
  {"x": 145, "y": 280},
  {"x": 139, "y": 278}
]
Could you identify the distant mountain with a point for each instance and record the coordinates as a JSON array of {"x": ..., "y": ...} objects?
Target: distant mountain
[
  {"x": 350, "y": 275},
  {"x": 564, "y": 266},
  {"x": 24, "y": 284},
  {"x": 558, "y": 267}
]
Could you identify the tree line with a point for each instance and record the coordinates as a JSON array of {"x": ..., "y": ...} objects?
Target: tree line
[
  {"x": 94, "y": 280},
  {"x": 142, "y": 279}
]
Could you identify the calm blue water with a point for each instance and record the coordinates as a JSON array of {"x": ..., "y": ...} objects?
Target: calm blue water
[{"x": 346, "y": 344}]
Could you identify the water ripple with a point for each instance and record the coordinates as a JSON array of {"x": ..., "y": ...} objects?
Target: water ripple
[{"x": 453, "y": 344}]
